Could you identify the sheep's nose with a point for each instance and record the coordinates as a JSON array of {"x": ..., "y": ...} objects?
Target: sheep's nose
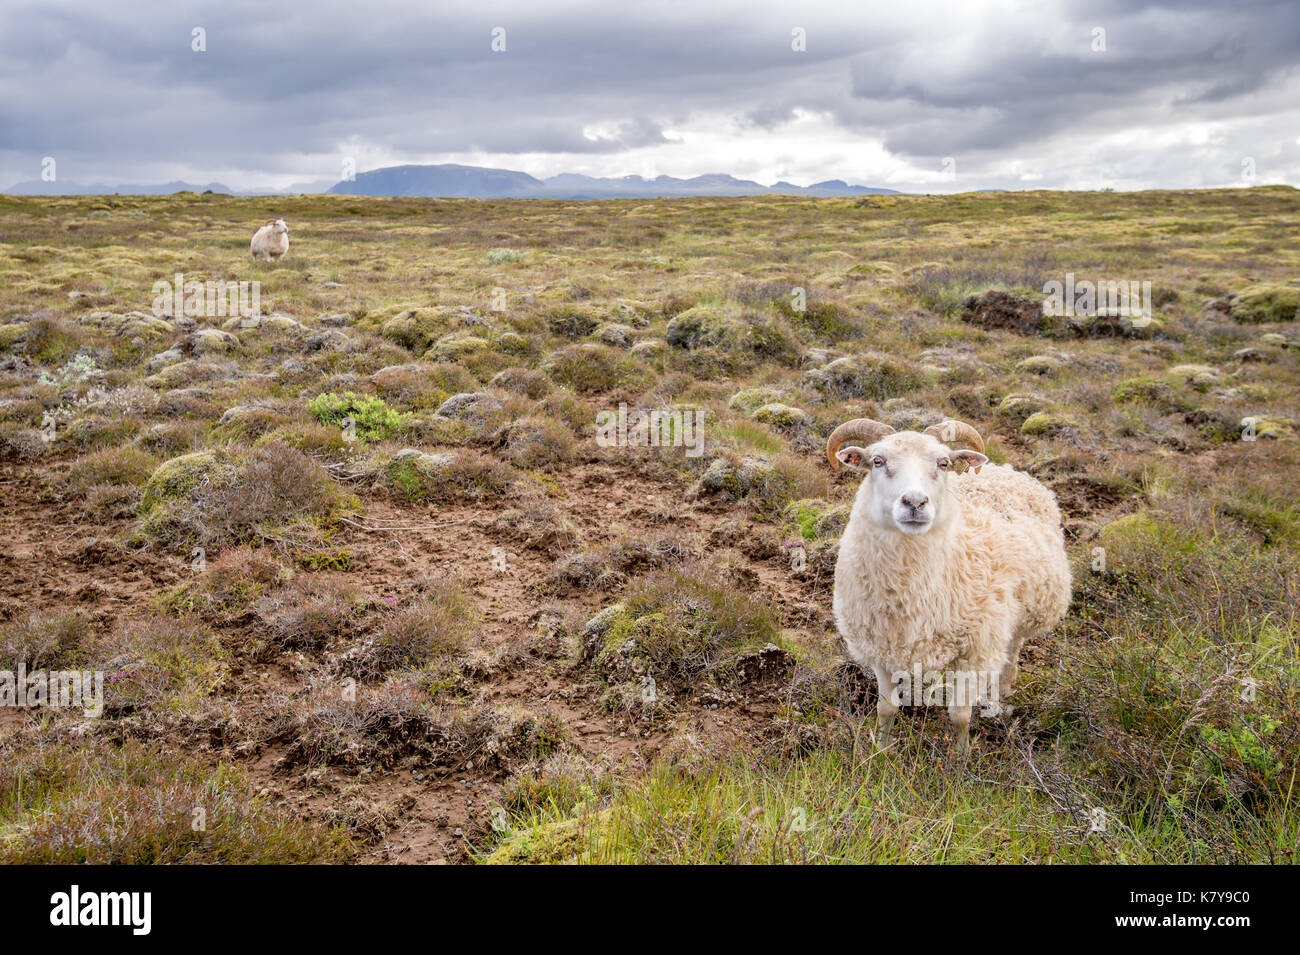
[{"x": 915, "y": 501}]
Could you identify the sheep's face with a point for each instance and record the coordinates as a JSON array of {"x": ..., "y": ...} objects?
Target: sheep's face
[
  {"x": 906, "y": 483},
  {"x": 280, "y": 227}
]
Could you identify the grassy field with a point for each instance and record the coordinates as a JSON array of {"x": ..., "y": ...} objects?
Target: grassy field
[{"x": 364, "y": 586}]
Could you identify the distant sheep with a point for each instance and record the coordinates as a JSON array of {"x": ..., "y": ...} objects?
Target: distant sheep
[
  {"x": 940, "y": 571},
  {"x": 271, "y": 241}
]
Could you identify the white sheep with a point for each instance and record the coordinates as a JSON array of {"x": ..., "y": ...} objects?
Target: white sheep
[
  {"x": 942, "y": 575},
  {"x": 271, "y": 241}
]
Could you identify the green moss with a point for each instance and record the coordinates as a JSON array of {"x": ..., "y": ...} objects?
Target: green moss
[
  {"x": 781, "y": 416},
  {"x": 1150, "y": 391},
  {"x": 217, "y": 499},
  {"x": 590, "y": 368},
  {"x": 420, "y": 476},
  {"x": 248, "y": 423},
  {"x": 739, "y": 334},
  {"x": 330, "y": 558},
  {"x": 12, "y": 334},
  {"x": 415, "y": 328},
  {"x": 1135, "y": 697},
  {"x": 460, "y": 349},
  {"x": 1038, "y": 365},
  {"x": 1266, "y": 428},
  {"x": 827, "y": 321},
  {"x": 573, "y": 321},
  {"x": 99, "y": 431},
  {"x": 1044, "y": 423},
  {"x": 512, "y": 343},
  {"x": 615, "y": 334},
  {"x": 864, "y": 376},
  {"x": 676, "y": 627},
  {"x": 180, "y": 476},
  {"x": 1018, "y": 407},
  {"x": 314, "y": 439},
  {"x": 1266, "y": 303},
  {"x": 749, "y": 476},
  {"x": 1199, "y": 377},
  {"x": 749, "y": 400}
]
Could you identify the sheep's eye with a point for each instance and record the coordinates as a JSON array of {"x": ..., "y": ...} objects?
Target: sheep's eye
[
  {"x": 877, "y": 462},
  {"x": 945, "y": 463}
]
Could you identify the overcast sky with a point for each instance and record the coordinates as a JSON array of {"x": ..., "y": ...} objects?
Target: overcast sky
[{"x": 913, "y": 95}]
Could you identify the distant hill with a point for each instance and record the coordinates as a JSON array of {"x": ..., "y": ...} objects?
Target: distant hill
[
  {"x": 572, "y": 186},
  {"x": 479, "y": 182},
  {"x": 485, "y": 183},
  {"x": 37, "y": 187},
  {"x": 449, "y": 180}
]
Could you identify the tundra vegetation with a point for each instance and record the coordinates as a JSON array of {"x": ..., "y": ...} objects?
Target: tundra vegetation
[{"x": 365, "y": 587}]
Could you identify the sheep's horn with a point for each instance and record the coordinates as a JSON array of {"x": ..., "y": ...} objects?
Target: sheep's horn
[
  {"x": 953, "y": 432},
  {"x": 866, "y": 430}
]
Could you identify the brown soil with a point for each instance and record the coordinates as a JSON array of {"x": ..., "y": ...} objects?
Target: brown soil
[
  {"x": 1004, "y": 311},
  {"x": 52, "y": 558}
]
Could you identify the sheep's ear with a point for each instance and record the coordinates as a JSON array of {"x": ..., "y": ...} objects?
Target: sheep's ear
[
  {"x": 852, "y": 456},
  {"x": 971, "y": 459}
]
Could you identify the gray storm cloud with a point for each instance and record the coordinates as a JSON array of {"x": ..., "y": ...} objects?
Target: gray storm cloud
[{"x": 116, "y": 93}]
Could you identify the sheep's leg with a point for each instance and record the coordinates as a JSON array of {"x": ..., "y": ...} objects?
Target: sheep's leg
[
  {"x": 1012, "y": 669},
  {"x": 1013, "y": 665},
  {"x": 960, "y": 716},
  {"x": 885, "y": 708},
  {"x": 885, "y": 713},
  {"x": 1006, "y": 682},
  {"x": 1007, "y": 679}
]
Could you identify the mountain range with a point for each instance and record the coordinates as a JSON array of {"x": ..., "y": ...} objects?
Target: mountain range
[
  {"x": 37, "y": 187},
  {"x": 480, "y": 182}
]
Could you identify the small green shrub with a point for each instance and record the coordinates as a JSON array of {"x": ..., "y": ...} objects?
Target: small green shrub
[
  {"x": 503, "y": 256},
  {"x": 370, "y": 416}
]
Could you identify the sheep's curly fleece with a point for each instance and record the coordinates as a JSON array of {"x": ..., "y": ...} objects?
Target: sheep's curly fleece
[
  {"x": 266, "y": 244},
  {"x": 964, "y": 599}
]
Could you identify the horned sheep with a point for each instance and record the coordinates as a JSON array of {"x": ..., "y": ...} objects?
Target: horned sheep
[
  {"x": 271, "y": 241},
  {"x": 947, "y": 566}
]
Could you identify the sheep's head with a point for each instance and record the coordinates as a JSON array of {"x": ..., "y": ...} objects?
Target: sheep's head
[
  {"x": 279, "y": 227},
  {"x": 906, "y": 473}
]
